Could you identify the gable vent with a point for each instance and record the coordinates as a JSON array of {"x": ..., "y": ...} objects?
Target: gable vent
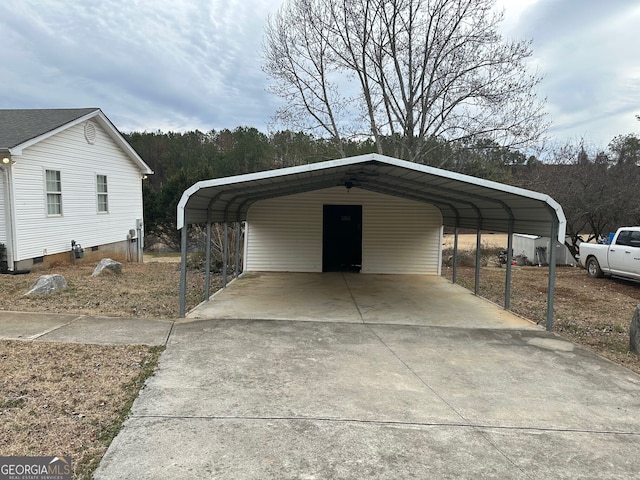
[{"x": 90, "y": 132}]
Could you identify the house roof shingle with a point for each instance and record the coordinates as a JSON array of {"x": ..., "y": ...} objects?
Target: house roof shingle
[
  {"x": 20, "y": 128},
  {"x": 20, "y": 125}
]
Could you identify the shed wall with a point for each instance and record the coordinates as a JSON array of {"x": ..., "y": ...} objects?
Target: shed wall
[
  {"x": 398, "y": 236},
  {"x": 79, "y": 162},
  {"x": 526, "y": 245}
]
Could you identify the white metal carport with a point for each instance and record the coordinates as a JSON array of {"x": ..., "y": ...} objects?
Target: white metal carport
[{"x": 464, "y": 202}]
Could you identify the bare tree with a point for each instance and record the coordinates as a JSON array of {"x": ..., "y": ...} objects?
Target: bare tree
[
  {"x": 597, "y": 190},
  {"x": 407, "y": 71}
]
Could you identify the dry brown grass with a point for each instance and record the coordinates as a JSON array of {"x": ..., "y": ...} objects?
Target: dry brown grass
[
  {"x": 67, "y": 399},
  {"x": 71, "y": 399},
  {"x": 467, "y": 241},
  {"x": 148, "y": 290}
]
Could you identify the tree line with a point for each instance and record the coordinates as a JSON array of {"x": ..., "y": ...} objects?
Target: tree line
[{"x": 598, "y": 189}]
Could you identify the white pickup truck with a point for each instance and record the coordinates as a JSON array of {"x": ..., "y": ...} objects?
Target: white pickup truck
[{"x": 619, "y": 259}]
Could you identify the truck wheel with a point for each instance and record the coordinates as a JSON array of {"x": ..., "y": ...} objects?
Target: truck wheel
[{"x": 593, "y": 268}]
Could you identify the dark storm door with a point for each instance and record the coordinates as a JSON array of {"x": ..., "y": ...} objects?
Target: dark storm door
[{"x": 342, "y": 238}]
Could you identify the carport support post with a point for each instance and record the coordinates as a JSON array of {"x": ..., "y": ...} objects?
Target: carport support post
[
  {"x": 507, "y": 282},
  {"x": 552, "y": 273},
  {"x": 455, "y": 255},
  {"x": 183, "y": 271},
  {"x": 238, "y": 234},
  {"x": 225, "y": 254},
  {"x": 476, "y": 286},
  {"x": 207, "y": 272}
]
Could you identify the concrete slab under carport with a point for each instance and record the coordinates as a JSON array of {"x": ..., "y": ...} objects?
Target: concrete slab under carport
[
  {"x": 239, "y": 399},
  {"x": 355, "y": 298}
]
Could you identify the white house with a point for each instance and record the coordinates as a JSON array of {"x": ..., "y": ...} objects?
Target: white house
[{"x": 67, "y": 176}]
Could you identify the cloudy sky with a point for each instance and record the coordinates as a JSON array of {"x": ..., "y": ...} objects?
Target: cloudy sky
[{"x": 186, "y": 64}]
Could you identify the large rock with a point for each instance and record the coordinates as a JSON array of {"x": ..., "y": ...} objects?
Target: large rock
[
  {"x": 634, "y": 332},
  {"x": 108, "y": 265},
  {"x": 48, "y": 284}
]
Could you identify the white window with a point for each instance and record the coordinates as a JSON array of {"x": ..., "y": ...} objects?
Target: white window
[
  {"x": 54, "y": 192},
  {"x": 103, "y": 197}
]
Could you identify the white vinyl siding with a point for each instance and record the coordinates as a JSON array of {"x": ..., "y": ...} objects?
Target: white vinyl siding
[
  {"x": 77, "y": 160},
  {"x": 3, "y": 208},
  {"x": 53, "y": 187},
  {"x": 284, "y": 235},
  {"x": 398, "y": 236},
  {"x": 102, "y": 192}
]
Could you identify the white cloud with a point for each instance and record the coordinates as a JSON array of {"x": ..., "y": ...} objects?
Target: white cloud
[
  {"x": 150, "y": 65},
  {"x": 184, "y": 64},
  {"x": 586, "y": 51}
]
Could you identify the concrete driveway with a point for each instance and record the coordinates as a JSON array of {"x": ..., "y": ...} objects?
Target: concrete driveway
[{"x": 289, "y": 399}]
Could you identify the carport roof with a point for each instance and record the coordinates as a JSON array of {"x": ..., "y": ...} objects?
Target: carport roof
[{"x": 465, "y": 201}]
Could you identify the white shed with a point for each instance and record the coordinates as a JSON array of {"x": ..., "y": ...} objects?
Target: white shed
[
  {"x": 67, "y": 176},
  {"x": 537, "y": 250}
]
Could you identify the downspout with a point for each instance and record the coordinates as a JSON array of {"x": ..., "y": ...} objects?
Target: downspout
[{"x": 140, "y": 238}]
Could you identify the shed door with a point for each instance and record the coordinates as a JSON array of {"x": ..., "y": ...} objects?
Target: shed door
[{"x": 342, "y": 238}]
